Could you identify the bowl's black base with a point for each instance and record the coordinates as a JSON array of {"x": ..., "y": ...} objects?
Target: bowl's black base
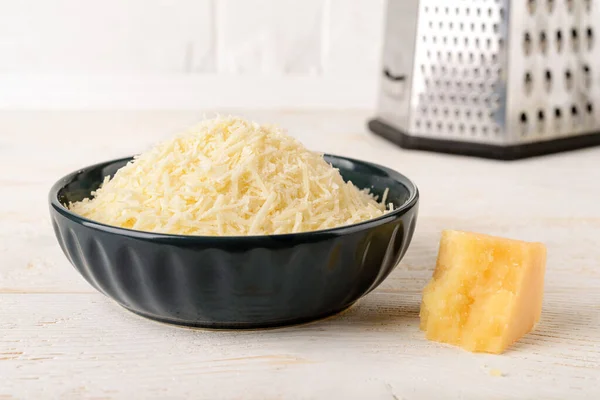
[
  {"x": 216, "y": 325},
  {"x": 513, "y": 152}
]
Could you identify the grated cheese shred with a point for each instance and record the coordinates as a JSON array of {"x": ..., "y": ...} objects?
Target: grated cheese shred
[{"x": 229, "y": 177}]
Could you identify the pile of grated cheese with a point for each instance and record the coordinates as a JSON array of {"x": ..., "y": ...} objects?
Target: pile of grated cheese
[{"x": 229, "y": 177}]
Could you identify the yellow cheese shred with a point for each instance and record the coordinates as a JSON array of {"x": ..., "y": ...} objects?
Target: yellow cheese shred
[{"x": 229, "y": 177}]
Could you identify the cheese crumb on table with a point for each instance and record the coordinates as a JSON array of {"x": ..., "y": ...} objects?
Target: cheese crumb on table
[
  {"x": 229, "y": 177},
  {"x": 486, "y": 292}
]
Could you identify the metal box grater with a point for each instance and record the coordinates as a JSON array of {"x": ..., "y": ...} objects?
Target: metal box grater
[{"x": 492, "y": 78}]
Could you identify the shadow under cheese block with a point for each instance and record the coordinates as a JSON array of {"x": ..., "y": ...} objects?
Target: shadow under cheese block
[{"x": 486, "y": 292}]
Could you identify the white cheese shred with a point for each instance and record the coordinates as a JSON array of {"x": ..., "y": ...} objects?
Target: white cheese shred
[{"x": 229, "y": 177}]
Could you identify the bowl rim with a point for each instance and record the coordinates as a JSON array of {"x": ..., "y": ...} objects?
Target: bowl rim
[{"x": 413, "y": 197}]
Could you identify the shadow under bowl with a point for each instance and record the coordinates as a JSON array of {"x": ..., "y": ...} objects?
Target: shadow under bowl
[{"x": 241, "y": 281}]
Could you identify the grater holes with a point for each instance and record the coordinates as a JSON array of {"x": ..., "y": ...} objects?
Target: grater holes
[
  {"x": 434, "y": 39},
  {"x": 502, "y": 16},
  {"x": 446, "y": 112},
  {"x": 473, "y": 26},
  {"x": 500, "y": 44},
  {"x": 447, "y": 10},
  {"x": 461, "y": 26},
  {"x": 490, "y": 12},
  {"x": 527, "y": 43},
  {"x": 484, "y": 130},
  {"x": 569, "y": 5},
  {"x": 528, "y": 82},
  {"x": 468, "y": 114},
  {"x": 574, "y": 39},
  {"x": 450, "y": 127},
  {"x": 588, "y": 5},
  {"x": 574, "y": 114},
  {"x": 466, "y": 41},
  {"x": 478, "y": 11},
  {"x": 587, "y": 76},
  {"x": 550, "y": 5},
  {"x": 543, "y": 42},
  {"x": 428, "y": 124},
  {"x": 589, "y": 34},
  {"x": 483, "y": 27},
  {"x": 473, "y": 130},
  {"x": 589, "y": 108},
  {"x": 523, "y": 123},
  {"x": 557, "y": 113},
  {"x": 574, "y": 111},
  {"x": 541, "y": 116},
  {"x": 477, "y": 42},
  {"x": 496, "y": 28},
  {"x": 461, "y": 128},
  {"x": 531, "y": 5},
  {"x": 559, "y": 40},
  {"x": 450, "y": 25},
  {"x": 488, "y": 43},
  {"x": 548, "y": 79},
  {"x": 523, "y": 118},
  {"x": 455, "y": 40},
  {"x": 568, "y": 79}
]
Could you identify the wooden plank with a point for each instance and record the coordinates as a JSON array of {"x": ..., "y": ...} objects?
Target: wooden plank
[
  {"x": 83, "y": 345},
  {"x": 58, "y": 338}
]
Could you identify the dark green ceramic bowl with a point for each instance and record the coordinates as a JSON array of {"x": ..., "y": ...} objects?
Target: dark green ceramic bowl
[{"x": 237, "y": 282}]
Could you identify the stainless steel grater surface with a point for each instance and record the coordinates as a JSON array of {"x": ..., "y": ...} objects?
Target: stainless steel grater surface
[{"x": 493, "y": 78}]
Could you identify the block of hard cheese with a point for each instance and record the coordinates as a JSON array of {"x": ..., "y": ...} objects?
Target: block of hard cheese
[{"x": 486, "y": 292}]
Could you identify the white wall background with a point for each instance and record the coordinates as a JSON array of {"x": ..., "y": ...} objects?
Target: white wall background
[{"x": 189, "y": 53}]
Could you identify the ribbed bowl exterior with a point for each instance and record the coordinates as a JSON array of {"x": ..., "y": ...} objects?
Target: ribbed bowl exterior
[{"x": 234, "y": 282}]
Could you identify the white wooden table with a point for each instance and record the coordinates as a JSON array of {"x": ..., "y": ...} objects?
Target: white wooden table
[{"x": 61, "y": 339}]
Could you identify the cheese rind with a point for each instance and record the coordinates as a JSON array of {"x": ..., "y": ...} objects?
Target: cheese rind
[{"x": 486, "y": 292}]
